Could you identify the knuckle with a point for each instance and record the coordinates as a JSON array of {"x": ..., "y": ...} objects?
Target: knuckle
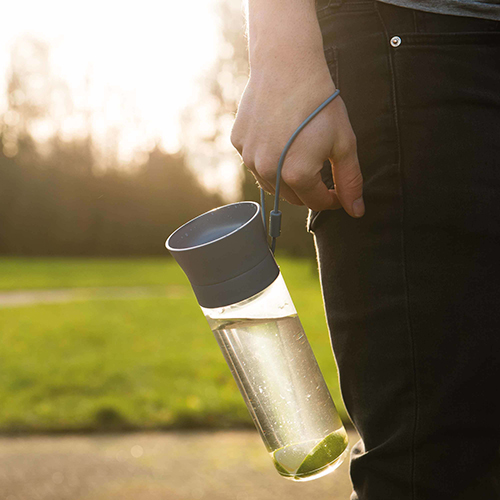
[
  {"x": 293, "y": 177},
  {"x": 266, "y": 170},
  {"x": 347, "y": 145}
]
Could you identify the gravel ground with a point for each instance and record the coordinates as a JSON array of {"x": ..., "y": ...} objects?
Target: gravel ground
[{"x": 222, "y": 465}]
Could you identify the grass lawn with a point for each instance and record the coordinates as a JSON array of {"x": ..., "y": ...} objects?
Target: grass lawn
[
  {"x": 23, "y": 273},
  {"x": 120, "y": 364}
]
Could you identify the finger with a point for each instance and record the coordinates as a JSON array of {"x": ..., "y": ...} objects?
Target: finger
[
  {"x": 250, "y": 166},
  {"x": 336, "y": 201},
  {"x": 268, "y": 188},
  {"x": 267, "y": 171},
  {"x": 345, "y": 165},
  {"x": 288, "y": 194},
  {"x": 349, "y": 184},
  {"x": 312, "y": 191},
  {"x": 285, "y": 191}
]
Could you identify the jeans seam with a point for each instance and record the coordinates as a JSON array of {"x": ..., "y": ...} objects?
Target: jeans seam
[{"x": 405, "y": 271}]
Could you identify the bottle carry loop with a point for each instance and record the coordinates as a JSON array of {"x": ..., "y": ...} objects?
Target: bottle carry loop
[{"x": 275, "y": 215}]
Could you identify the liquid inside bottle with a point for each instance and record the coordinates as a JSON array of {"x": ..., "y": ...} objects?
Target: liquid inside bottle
[
  {"x": 279, "y": 378},
  {"x": 237, "y": 282},
  {"x": 311, "y": 459}
]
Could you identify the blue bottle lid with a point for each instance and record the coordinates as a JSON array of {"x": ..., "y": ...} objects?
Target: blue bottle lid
[{"x": 225, "y": 254}]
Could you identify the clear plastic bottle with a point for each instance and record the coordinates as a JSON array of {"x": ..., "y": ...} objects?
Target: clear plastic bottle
[
  {"x": 271, "y": 360},
  {"x": 239, "y": 287}
]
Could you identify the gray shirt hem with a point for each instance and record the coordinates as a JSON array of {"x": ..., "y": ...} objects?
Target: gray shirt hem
[{"x": 482, "y": 10}]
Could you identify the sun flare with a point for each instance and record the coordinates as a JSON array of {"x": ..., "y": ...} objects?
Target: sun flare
[{"x": 129, "y": 68}]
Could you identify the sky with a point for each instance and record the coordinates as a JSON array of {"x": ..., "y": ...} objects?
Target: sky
[{"x": 130, "y": 66}]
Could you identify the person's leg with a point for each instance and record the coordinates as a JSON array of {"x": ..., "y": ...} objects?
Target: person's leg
[{"x": 412, "y": 289}]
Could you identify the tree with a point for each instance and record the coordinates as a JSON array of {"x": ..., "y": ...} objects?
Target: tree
[
  {"x": 55, "y": 199},
  {"x": 224, "y": 85}
]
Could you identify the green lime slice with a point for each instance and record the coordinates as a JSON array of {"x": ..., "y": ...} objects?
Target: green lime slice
[
  {"x": 324, "y": 453},
  {"x": 281, "y": 469},
  {"x": 288, "y": 459}
]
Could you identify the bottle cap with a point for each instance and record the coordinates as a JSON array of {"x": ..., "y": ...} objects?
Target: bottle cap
[{"x": 225, "y": 254}]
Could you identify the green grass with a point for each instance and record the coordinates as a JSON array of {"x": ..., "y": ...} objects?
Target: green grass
[
  {"x": 19, "y": 273},
  {"x": 123, "y": 364}
]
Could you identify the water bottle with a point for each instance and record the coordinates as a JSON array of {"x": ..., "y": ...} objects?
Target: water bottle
[{"x": 240, "y": 289}]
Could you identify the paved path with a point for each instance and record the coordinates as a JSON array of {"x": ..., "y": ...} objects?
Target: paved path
[
  {"x": 153, "y": 466},
  {"x": 19, "y": 298}
]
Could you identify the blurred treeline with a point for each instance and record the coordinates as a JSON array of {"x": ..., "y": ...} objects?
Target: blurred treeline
[
  {"x": 65, "y": 197},
  {"x": 58, "y": 205}
]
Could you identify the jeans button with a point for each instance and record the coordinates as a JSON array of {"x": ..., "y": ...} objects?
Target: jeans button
[{"x": 395, "y": 41}]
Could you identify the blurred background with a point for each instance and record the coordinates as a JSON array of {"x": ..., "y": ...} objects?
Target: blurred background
[{"x": 115, "y": 121}]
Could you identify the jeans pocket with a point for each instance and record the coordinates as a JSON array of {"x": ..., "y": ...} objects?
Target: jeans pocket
[
  {"x": 438, "y": 70},
  {"x": 479, "y": 39},
  {"x": 448, "y": 101}
]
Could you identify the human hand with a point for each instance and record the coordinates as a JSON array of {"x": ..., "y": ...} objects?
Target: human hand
[{"x": 286, "y": 85}]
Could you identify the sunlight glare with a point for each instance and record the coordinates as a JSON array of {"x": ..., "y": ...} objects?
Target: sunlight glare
[{"x": 129, "y": 66}]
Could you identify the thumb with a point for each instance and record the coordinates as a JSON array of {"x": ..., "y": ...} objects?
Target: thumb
[
  {"x": 349, "y": 185},
  {"x": 345, "y": 167}
]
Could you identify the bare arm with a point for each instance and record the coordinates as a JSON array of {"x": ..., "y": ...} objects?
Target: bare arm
[{"x": 289, "y": 78}]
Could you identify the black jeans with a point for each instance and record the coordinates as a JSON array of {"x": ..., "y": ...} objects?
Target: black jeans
[{"x": 412, "y": 290}]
